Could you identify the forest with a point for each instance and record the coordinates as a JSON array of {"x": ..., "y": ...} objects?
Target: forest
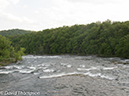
[
  {"x": 105, "y": 38},
  {"x": 13, "y": 32},
  {"x": 8, "y": 54}
]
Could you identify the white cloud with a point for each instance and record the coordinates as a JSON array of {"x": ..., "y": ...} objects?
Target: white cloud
[
  {"x": 14, "y": 1},
  {"x": 42, "y": 14},
  {"x": 3, "y": 4},
  {"x": 16, "y": 19},
  {"x": 95, "y": 1},
  {"x": 63, "y": 12}
]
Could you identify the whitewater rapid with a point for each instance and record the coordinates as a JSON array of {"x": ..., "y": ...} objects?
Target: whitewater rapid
[{"x": 35, "y": 69}]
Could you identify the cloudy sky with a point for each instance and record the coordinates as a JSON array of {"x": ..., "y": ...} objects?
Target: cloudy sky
[{"x": 42, "y": 14}]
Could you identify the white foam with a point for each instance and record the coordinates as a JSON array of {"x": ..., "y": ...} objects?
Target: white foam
[
  {"x": 82, "y": 66},
  {"x": 31, "y": 56},
  {"x": 14, "y": 66},
  {"x": 99, "y": 75},
  {"x": 108, "y": 68},
  {"x": 36, "y": 73},
  {"x": 28, "y": 56},
  {"x": 5, "y": 72},
  {"x": 96, "y": 68},
  {"x": 69, "y": 66},
  {"x": 18, "y": 67},
  {"x": 53, "y": 57},
  {"x": 125, "y": 61},
  {"x": 92, "y": 75},
  {"x": 59, "y": 75},
  {"x": 88, "y": 69},
  {"x": 33, "y": 68},
  {"x": 52, "y": 76},
  {"x": 25, "y": 71},
  {"x": 48, "y": 70},
  {"x": 78, "y": 73},
  {"x": 93, "y": 68},
  {"x": 82, "y": 69},
  {"x": 106, "y": 77},
  {"x": 8, "y": 67}
]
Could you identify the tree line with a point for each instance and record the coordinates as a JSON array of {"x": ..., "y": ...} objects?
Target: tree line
[
  {"x": 100, "y": 38},
  {"x": 13, "y": 32}
]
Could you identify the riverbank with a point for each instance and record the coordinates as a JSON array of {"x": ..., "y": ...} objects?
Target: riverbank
[{"x": 6, "y": 61}]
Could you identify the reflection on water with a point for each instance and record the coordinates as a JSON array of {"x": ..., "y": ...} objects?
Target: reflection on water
[{"x": 67, "y": 75}]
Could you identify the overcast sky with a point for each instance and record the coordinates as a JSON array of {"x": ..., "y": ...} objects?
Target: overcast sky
[{"x": 42, "y": 14}]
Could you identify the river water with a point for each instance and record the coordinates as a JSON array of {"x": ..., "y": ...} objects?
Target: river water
[{"x": 65, "y": 75}]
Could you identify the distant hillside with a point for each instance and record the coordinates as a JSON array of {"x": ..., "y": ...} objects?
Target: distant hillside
[
  {"x": 13, "y": 32},
  {"x": 101, "y": 38}
]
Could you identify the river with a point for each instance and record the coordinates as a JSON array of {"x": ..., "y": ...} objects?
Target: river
[{"x": 65, "y": 75}]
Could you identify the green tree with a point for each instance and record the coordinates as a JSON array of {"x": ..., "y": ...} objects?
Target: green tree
[
  {"x": 7, "y": 51},
  {"x": 17, "y": 55}
]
